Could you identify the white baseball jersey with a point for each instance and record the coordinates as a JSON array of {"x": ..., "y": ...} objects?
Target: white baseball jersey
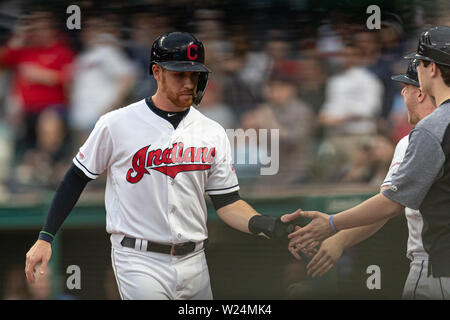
[
  {"x": 157, "y": 175},
  {"x": 414, "y": 217}
]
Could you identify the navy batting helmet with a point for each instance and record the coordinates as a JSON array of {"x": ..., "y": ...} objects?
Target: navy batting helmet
[
  {"x": 434, "y": 46},
  {"x": 182, "y": 52},
  {"x": 410, "y": 77}
]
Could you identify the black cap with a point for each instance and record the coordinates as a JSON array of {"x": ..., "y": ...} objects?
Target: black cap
[
  {"x": 178, "y": 51},
  {"x": 410, "y": 77},
  {"x": 434, "y": 46}
]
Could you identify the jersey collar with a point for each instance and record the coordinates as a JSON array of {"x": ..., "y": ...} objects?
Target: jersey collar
[{"x": 173, "y": 117}]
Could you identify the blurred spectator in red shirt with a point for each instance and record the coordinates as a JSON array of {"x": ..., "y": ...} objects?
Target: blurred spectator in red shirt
[{"x": 40, "y": 61}]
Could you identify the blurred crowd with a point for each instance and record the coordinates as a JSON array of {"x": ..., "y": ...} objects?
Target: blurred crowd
[{"x": 324, "y": 82}]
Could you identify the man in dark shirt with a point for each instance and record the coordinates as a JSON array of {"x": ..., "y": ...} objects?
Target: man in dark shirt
[{"x": 422, "y": 181}]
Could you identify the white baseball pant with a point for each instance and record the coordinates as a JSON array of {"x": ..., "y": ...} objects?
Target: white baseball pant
[{"x": 144, "y": 275}]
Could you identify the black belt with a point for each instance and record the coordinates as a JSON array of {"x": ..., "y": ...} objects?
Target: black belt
[{"x": 178, "y": 249}]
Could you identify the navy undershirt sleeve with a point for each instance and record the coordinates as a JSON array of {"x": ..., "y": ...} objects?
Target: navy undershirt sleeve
[
  {"x": 67, "y": 195},
  {"x": 221, "y": 200}
]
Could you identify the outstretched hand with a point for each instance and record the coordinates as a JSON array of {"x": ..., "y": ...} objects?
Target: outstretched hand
[
  {"x": 289, "y": 217},
  {"x": 294, "y": 248},
  {"x": 289, "y": 222},
  {"x": 329, "y": 253},
  {"x": 310, "y": 236}
]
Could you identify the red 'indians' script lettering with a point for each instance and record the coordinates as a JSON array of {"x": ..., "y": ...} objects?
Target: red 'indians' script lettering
[{"x": 169, "y": 161}]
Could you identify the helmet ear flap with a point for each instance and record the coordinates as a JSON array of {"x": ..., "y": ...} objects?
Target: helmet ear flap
[{"x": 201, "y": 87}]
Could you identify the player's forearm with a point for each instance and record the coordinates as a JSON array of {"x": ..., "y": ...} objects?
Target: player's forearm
[
  {"x": 350, "y": 237},
  {"x": 47, "y": 77},
  {"x": 237, "y": 215},
  {"x": 330, "y": 121},
  {"x": 66, "y": 196},
  {"x": 371, "y": 211}
]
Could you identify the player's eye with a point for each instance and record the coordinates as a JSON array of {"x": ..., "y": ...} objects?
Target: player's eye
[{"x": 195, "y": 75}]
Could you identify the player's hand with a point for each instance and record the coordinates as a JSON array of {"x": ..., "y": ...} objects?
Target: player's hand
[
  {"x": 329, "y": 253},
  {"x": 273, "y": 228},
  {"x": 295, "y": 249},
  {"x": 40, "y": 252},
  {"x": 291, "y": 216},
  {"x": 290, "y": 221},
  {"x": 312, "y": 235}
]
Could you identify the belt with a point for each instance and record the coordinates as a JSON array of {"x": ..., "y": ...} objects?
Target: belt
[{"x": 178, "y": 249}]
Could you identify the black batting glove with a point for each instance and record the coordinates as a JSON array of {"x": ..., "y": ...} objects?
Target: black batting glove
[{"x": 271, "y": 227}]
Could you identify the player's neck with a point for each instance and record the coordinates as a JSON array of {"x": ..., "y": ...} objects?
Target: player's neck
[
  {"x": 161, "y": 102},
  {"x": 442, "y": 95}
]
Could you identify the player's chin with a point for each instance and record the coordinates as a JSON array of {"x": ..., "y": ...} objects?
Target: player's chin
[{"x": 185, "y": 100}]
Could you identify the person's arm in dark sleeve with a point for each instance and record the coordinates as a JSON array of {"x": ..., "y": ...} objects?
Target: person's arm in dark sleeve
[
  {"x": 66, "y": 196},
  {"x": 221, "y": 200}
]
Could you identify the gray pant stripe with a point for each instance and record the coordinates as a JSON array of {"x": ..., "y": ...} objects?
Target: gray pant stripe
[
  {"x": 418, "y": 279},
  {"x": 442, "y": 291}
]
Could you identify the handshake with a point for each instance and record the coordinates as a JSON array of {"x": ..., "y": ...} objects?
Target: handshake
[{"x": 306, "y": 239}]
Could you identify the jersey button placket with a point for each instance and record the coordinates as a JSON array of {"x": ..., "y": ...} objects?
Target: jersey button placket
[{"x": 171, "y": 182}]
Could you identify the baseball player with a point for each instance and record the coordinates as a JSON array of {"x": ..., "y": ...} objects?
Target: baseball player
[
  {"x": 161, "y": 155},
  {"x": 417, "y": 285},
  {"x": 421, "y": 181}
]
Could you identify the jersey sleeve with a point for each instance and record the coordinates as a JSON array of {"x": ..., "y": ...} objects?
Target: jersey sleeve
[
  {"x": 222, "y": 176},
  {"x": 417, "y": 173},
  {"x": 397, "y": 159},
  {"x": 94, "y": 156}
]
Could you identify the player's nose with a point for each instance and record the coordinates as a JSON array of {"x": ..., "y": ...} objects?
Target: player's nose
[{"x": 190, "y": 80}]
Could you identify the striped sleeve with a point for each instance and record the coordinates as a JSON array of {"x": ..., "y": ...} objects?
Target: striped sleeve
[
  {"x": 94, "y": 156},
  {"x": 397, "y": 159},
  {"x": 222, "y": 178}
]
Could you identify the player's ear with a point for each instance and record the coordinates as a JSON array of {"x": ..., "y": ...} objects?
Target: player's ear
[
  {"x": 421, "y": 95},
  {"x": 157, "y": 70},
  {"x": 434, "y": 70}
]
